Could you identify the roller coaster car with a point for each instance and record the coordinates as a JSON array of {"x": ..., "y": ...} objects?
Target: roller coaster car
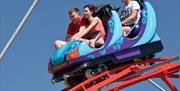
[{"x": 74, "y": 60}]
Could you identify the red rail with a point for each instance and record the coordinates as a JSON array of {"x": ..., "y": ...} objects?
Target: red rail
[{"x": 132, "y": 73}]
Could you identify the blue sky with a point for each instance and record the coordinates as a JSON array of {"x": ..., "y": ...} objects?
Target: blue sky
[{"x": 24, "y": 68}]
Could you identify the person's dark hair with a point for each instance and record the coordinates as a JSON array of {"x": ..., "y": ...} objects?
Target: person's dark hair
[
  {"x": 91, "y": 7},
  {"x": 74, "y": 10}
]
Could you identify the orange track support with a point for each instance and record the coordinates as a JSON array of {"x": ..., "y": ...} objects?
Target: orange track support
[{"x": 130, "y": 74}]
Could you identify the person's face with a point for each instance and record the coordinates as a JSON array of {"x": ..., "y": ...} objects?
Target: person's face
[
  {"x": 74, "y": 16},
  {"x": 87, "y": 13}
]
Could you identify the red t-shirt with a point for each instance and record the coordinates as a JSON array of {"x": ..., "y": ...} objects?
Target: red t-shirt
[{"x": 74, "y": 28}]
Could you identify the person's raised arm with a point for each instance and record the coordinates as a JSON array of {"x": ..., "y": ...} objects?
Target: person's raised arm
[{"x": 82, "y": 28}]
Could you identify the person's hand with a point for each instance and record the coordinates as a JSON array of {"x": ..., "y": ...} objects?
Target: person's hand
[
  {"x": 123, "y": 23},
  {"x": 76, "y": 37}
]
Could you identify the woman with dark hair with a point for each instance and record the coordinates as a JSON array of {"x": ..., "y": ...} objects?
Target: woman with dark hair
[{"x": 94, "y": 32}]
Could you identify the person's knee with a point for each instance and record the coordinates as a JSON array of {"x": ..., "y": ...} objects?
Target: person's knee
[
  {"x": 57, "y": 42},
  {"x": 126, "y": 29},
  {"x": 100, "y": 41}
]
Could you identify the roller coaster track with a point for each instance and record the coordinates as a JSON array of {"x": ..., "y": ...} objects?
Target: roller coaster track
[{"x": 130, "y": 74}]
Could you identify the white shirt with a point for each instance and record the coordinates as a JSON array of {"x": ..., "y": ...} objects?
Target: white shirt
[{"x": 127, "y": 11}]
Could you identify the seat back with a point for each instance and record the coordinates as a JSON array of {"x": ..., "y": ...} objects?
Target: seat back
[
  {"x": 111, "y": 21},
  {"x": 150, "y": 28}
]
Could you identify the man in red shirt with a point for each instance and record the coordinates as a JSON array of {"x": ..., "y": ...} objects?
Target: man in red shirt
[{"x": 77, "y": 24}]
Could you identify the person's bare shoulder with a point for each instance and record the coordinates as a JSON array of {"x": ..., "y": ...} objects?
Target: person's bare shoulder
[{"x": 97, "y": 19}]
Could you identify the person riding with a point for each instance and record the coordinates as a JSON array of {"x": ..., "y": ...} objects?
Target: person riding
[
  {"x": 130, "y": 15},
  {"x": 94, "y": 32},
  {"x": 77, "y": 23}
]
